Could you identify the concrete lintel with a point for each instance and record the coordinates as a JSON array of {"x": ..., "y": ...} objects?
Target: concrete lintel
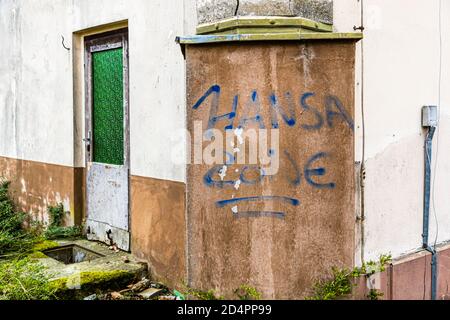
[{"x": 264, "y": 24}]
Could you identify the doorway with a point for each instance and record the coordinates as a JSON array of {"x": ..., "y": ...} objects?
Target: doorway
[{"x": 107, "y": 139}]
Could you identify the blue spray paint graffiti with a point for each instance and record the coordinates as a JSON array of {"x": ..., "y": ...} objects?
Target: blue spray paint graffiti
[
  {"x": 297, "y": 180},
  {"x": 262, "y": 199},
  {"x": 258, "y": 179},
  {"x": 277, "y": 109},
  {"x": 290, "y": 201},
  {"x": 316, "y": 113},
  {"x": 334, "y": 109},
  {"x": 214, "y": 118},
  {"x": 332, "y": 101},
  {"x": 255, "y": 104},
  {"x": 310, "y": 173},
  {"x": 260, "y": 214},
  {"x": 282, "y": 111}
]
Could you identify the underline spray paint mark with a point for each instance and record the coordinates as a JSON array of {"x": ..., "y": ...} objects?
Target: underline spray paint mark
[
  {"x": 260, "y": 214},
  {"x": 290, "y": 201}
]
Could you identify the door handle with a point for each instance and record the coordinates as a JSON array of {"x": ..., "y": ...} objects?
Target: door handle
[{"x": 87, "y": 141}]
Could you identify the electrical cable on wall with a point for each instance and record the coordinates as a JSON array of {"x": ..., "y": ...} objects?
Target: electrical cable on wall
[
  {"x": 433, "y": 193},
  {"x": 363, "y": 125}
]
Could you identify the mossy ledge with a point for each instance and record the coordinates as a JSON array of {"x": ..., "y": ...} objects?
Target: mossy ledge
[
  {"x": 85, "y": 283},
  {"x": 37, "y": 251},
  {"x": 37, "y": 255},
  {"x": 45, "y": 245}
]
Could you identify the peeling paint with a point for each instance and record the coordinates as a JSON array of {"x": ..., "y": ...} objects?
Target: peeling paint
[
  {"x": 108, "y": 204},
  {"x": 223, "y": 172},
  {"x": 306, "y": 56},
  {"x": 238, "y": 132},
  {"x": 24, "y": 188}
]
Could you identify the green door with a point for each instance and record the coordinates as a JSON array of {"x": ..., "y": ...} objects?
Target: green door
[
  {"x": 108, "y": 111},
  {"x": 107, "y": 174}
]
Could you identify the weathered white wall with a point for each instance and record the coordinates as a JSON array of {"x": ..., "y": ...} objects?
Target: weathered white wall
[
  {"x": 401, "y": 74},
  {"x": 36, "y": 78},
  {"x": 35, "y": 82}
]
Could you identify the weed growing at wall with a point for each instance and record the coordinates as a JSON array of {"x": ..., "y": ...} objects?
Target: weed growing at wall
[
  {"x": 374, "y": 294},
  {"x": 56, "y": 214},
  {"x": 20, "y": 277},
  {"x": 339, "y": 285},
  {"x": 12, "y": 237},
  {"x": 11, "y": 221},
  {"x": 203, "y": 295},
  {"x": 14, "y": 240},
  {"x": 342, "y": 282},
  {"x": 246, "y": 292},
  {"x": 56, "y": 230}
]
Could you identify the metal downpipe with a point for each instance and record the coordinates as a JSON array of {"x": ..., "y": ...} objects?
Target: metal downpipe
[{"x": 426, "y": 211}]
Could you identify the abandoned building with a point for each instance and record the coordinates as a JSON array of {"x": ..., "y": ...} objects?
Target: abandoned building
[{"x": 110, "y": 107}]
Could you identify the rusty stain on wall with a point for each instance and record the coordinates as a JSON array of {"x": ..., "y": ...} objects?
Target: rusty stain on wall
[{"x": 298, "y": 223}]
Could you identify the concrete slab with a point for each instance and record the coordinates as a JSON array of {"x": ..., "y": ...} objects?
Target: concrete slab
[
  {"x": 150, "y": 292},
  {"x": 112, "y": 270}
]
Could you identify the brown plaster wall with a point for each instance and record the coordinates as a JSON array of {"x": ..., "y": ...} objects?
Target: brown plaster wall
[
  {"x": 409, "y": 278},
  {"x": 36, "y": 185},
  {"x": 79, "y": 194},
  {"x": 444, "y": 273},
  {"x": 282, "y": 257},
  {"x": 158, "y": 228}
]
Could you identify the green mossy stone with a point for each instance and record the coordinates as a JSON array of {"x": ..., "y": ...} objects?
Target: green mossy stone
[
  {"x": 45, "y": 245},
  {"x": 80, "y": 285},
  {"x": 37, "y": 255}
]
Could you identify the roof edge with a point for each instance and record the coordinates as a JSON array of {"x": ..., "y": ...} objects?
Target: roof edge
[{"x": 291, "y": 36}]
